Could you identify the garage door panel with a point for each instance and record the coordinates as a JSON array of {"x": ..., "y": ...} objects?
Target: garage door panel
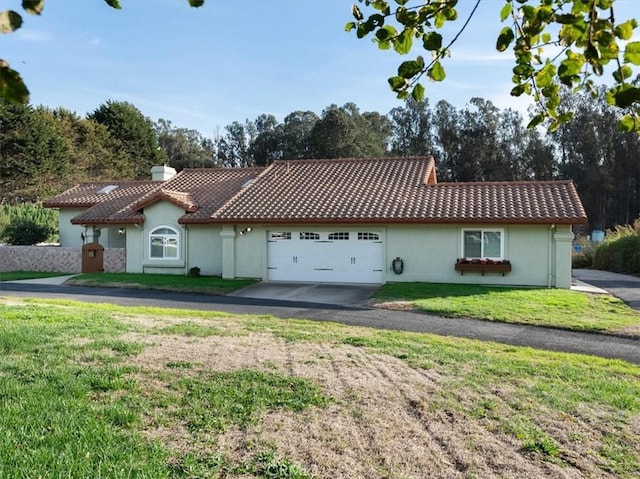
[{"x": 340, "y": 256}]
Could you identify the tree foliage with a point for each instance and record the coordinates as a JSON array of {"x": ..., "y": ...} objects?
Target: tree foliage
[
  {"x": 589, "y": 36},
  {"x": 33, "y": 155},
  {"x": 28, "y": 224},
  {"x": 183, "y": 147},
  {"x": 134, "y": 133},
  {"x": 43, "y": 151}
]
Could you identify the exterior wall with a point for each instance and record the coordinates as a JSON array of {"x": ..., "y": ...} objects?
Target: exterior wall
[
  {"x": 134, "y": 239},
  {"x": 205, "y": 249},
  {"x": 430, "y": 252},
  {"x": 111, "y": 237},
  {"x": 163, "y": 213},
  {"x": 55, "y": 259},
  {"x": 562, "y": 249},
  {"x": 70, "y": 235},
  {"x": 540, "y": 255},
  {"x": 251, "y": 252}
]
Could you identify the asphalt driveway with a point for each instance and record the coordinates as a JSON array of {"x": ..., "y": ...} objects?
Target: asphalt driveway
[{"x": 622, "y": 286}]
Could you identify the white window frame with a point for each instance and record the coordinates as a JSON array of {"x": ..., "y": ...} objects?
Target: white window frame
[
  {"x": 482, "y": 234},
  {"x": 164, "y": 236}
]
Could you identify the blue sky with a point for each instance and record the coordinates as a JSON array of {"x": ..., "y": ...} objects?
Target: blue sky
[{"x": 203, "y": 68}]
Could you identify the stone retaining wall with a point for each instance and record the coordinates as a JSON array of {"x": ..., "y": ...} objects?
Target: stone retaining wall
[{"x": 56, "y": 259}]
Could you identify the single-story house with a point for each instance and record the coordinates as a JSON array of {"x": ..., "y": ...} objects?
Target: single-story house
[{"x": 340, "y": 221}]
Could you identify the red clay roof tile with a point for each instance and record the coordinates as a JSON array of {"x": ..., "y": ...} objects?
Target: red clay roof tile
[
  {"x": 393, "y": 190},
  {"x": 390, "y": 190}
]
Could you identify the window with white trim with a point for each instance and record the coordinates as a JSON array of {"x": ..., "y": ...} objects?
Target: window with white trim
[
  {"x": 341, "y": 235},
  {"x": 483, "y": 243},
  {"x": 164, "y": 243},
  {"x": 306, "y": 235}
]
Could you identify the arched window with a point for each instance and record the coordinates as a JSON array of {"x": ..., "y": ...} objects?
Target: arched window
[{"x": 164, "y": 243}]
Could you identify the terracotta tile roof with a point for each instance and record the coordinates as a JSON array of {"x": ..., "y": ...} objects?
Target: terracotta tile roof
[
  {"x": 179, "y": 198},
  {"x": 532, "y": 202},
  {"x": 390, "y": 190},
  {"x": 86, "y": 195},
  {"x": 393, "y": 190},
  {"x": 207, "y": 188},
  {"x": 111, "y": 208}
]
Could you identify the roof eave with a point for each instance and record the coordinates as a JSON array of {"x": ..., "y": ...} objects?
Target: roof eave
[{"x": 108, "y": 221}]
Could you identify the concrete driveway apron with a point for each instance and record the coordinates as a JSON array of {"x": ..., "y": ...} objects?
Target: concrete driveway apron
[{"x": 324, "y": 293}]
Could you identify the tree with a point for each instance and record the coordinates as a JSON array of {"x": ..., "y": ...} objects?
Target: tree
[
  {"x": 602, "y": 161},
  {"x": 33, "y": 156},
  {"x": 590, "y": 37},
  {"x": 134, "y": 132},
  {"x": 267, "y": 145},
  {"x": 91, "y": 150},
  {"x": 233, "y": 146},
  {"x": 184, "y": 148},
  {"x": 296, "y": 134},
  {"x": 412, "y": 129},
  {"x": 342, "y": 132}
]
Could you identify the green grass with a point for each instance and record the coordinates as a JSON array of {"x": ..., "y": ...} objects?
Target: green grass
[
  {"x": 18, "y": 275},
  {"x": 556, "y": 308},
  {"x": 168, "y": 282},
  {"x": 74, "y": 404}
]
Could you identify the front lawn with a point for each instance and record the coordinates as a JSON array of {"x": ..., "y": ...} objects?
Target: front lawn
[
  {"x": 168, "y": 282},
  {"x": 93, "y": 390},
  {"x": 558, "y": 308}
]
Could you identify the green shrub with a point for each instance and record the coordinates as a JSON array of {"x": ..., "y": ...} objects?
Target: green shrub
[
  {"x": 620, "y": 252},
  {"x": 581, "y": 260},
  {"x": 28, "y": 224}
]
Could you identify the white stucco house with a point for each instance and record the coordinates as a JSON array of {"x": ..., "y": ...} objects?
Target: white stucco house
[{"x": 339, "y": 221}]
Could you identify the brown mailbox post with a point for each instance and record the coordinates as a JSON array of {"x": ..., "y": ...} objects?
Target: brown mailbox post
[{"x": 92, "y": 258}]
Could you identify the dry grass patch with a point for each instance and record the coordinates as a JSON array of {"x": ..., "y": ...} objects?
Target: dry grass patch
[
  {"x": 247, "y": 396},
  {"x": 387, "y": 419}
]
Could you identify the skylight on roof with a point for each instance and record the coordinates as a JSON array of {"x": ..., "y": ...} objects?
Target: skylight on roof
[
  {"x": 107, "y": 189},
  {"x": 247, "y": 183}
]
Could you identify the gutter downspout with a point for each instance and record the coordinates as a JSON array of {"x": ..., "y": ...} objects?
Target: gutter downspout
[{"x": 550, "y": 251}]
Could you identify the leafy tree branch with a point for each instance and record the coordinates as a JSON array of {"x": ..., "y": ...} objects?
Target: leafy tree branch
[{"x": 585, "y": 30}]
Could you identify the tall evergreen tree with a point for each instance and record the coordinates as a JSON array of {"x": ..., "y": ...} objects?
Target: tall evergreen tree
[{"x": 137, "y": 139}]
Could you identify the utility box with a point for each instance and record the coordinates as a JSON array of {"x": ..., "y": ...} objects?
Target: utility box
[{"x": 92, "y": 258}]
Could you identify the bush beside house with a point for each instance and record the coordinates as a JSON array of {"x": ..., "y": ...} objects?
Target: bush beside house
[
  {"x": 620, "y": 251},
  {"x": 27, "y": 224}
]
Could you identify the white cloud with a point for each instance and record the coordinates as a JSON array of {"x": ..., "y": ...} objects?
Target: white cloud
[{"x": 35, "y": 36}]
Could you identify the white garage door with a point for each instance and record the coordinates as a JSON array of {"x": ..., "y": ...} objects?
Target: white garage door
[{"x": 339, "y": 256}]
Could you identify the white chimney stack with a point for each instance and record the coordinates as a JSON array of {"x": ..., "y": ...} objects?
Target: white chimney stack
[{"x": 162, "y": 173}]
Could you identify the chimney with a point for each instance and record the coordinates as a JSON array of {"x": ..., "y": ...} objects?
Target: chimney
[{"x": 162, "y": 173}]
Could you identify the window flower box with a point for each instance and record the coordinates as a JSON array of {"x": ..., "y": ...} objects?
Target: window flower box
[{"x": 482, "y": 266}]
